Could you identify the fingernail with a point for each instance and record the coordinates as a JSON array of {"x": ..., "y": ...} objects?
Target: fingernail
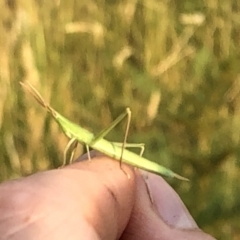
[
  {"x": 167, "y": 202},
  {"x": 93, "y": 154},
  {"x": 81, "y": 158}
]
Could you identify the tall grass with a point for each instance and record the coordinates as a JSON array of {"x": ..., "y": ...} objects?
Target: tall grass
[{"x": 175, "y": 63}]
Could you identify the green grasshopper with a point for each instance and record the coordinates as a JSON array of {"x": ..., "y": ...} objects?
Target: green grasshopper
[{"x": 114, "y": 150}]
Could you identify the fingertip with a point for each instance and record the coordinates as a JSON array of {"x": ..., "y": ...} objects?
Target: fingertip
[{"x": 114, "y": 204}]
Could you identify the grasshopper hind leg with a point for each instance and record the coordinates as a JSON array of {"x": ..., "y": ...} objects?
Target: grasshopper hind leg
[
  {"x": 104, "y": 132},
  {"x": 128, "y": 114}
]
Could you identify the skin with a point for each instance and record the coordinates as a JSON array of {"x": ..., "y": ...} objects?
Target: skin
[{"x": 94, "y": 200}]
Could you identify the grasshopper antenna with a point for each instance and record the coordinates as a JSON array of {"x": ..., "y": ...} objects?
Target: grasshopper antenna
[{"x": 28, "y": 87}]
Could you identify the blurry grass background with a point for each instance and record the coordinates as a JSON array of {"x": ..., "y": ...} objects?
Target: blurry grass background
[{"x": 174, "y": 63}]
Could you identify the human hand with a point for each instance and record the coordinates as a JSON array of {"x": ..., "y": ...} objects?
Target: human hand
[{"x": 94, "y": 200}]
